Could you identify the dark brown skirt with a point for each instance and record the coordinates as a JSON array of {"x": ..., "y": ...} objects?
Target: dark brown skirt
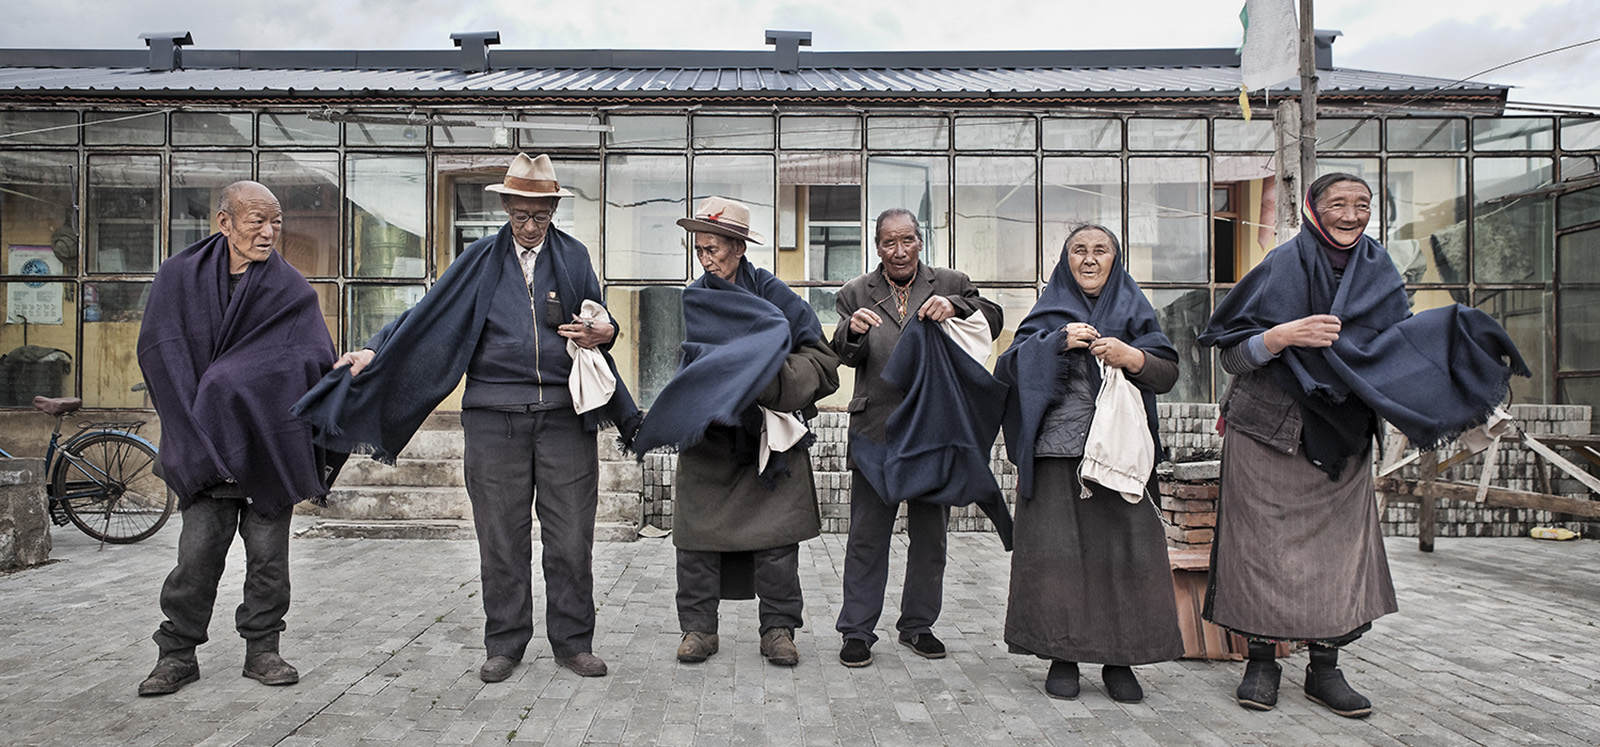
[
  {"x": 1090, "y": 581},
  {"x": 1297, "y": 556}
]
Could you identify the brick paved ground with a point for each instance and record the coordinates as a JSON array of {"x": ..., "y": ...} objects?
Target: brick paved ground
[{"x": 1496, "y": 643}]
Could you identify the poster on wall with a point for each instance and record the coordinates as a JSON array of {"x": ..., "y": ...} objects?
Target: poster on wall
[{"x": 33, "y": 303}]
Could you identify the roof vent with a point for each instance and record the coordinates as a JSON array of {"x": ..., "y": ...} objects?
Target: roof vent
[
  {"x": 474, "y": 49},
  {"x": 1324, "y": 40},
  {"x": 166, "y": 49},
  {"x": 788, "y": 44}
]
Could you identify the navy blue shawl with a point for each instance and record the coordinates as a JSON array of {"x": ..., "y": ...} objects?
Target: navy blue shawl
[
  {"x": 422, "y": 355},
  {"x": 1034, "y": 366},
  {"x": 223, "y": 372},
  {"x": 737, "y": 337},
  {"x": 938, "y": 439},
  {"x": 1433, "y": 374}
]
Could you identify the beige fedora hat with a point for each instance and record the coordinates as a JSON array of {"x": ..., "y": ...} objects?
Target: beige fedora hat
[
  {"x": 530, "y": 177},
  {"x": 723, "y": 216}
]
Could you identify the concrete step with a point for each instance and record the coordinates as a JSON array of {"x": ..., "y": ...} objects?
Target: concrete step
[
  {"x": 436, "y": 529},
  {"x": 435, "y": 444},
  {"x": 621, "y": 476},
  {"x": 429, "y": 473},
  {"x": 396, "y": 502}
]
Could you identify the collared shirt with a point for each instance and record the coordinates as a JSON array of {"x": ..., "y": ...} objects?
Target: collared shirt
[{"x": 526, "y": 257}]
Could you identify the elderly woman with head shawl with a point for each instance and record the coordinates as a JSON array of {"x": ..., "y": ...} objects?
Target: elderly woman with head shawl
[
  {"x": 754, "y": 365},
  {"x": 1321, "y": 344},
  {"x": 1089, "y": 574}
]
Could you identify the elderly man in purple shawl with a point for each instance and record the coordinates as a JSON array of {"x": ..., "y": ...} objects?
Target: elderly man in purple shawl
[{"x": 232, "y": 336}]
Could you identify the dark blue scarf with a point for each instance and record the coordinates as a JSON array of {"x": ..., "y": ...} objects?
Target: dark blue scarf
[
  {"x": 938, "y": 439},
  {"x": 427, "y": 349},
  {"x": 223, "y": 372},
  {"x": 1433, "y": 375},
  {"x": 737, "y": 337},
  {"x": 1034, "y": 366}
]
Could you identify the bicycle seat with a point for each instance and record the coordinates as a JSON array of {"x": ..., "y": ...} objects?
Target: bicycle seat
[{"x": 57, "y": 406}]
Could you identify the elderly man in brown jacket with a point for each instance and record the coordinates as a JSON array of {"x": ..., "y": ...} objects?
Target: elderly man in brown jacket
[{"x": 873, "y": 311}]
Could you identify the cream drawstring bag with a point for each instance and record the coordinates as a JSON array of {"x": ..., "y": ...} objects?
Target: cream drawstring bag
[
  {"x": 591, "y": 382},
  {"x": 1119, "y": 452}
]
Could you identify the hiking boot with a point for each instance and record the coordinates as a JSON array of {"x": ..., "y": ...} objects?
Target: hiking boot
[
  {"x": 856, "y": 653},
  {"x": 697, "y": 647},
  {"x": 268, "y": 668},
  {"x": 1062, "y": 681},
  {"x": 777, "y": 645},
  {"x": 170, "y": 675},
  {"x": 1120, "y": 683},
  {"x": 926, "y": 645}
]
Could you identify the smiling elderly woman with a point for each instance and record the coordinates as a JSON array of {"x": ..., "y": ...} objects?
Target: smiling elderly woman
[{"x": 1089, "y": 577}]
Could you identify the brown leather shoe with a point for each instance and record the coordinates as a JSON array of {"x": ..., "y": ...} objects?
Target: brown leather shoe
[
  {"x": 170, "y": 675},
  {"x": 778, "y": 646},
  {"x": 497, "y": 668},
  {"x": 268, "y": 668},
  {"x": 584, "y": 664},
  {"x": 697, "y": 647}
]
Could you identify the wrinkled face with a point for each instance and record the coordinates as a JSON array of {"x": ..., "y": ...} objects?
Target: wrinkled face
[
  {"x": 1089, "y": 256},
  {"x": 899, "y": 245},
  {"x": 718, "y": 255},
  {"x": 530, "y": 217},
  {"x": 1344, "y": 210},
  {"x": 252, "y": 228}
]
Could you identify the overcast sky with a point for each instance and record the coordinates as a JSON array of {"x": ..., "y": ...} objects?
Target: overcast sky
[{"x": 1443, "y": 38}]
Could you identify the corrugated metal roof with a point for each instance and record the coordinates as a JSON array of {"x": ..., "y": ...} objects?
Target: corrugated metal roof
[{"x": 714, "y": 82}]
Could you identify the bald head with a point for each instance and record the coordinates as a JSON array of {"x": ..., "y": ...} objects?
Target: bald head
[{"x": 249, "y": 216}]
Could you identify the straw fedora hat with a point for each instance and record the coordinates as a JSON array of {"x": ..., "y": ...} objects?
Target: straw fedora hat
[
  {"x": 530, "y": 177},
  {"x": 720, "y": 215}
]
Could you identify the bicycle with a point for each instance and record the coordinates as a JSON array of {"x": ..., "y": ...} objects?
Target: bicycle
[{"x": 105, "y": 480}]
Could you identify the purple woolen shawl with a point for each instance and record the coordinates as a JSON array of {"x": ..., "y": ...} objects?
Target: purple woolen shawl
[{"x": 223, "y": 372}]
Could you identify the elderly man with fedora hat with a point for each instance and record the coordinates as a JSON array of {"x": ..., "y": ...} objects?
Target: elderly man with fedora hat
[
  {"x": 511, "y": 313},
  {"x": 754, "y": 365}
]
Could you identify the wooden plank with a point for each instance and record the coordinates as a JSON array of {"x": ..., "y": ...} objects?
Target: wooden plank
[
  {"x": 1573, "y": 470},
  {"x": 1404, "y": 491},
  {"x": 1426, "y": 508}
]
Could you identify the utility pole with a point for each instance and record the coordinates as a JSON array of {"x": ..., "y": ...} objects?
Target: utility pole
[{"x": 1308, "y": 97}]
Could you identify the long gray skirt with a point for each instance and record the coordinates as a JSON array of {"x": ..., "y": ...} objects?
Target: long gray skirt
[
  {"x": 1090, "y": 580},
  {"x": 1297, "y": 556}
]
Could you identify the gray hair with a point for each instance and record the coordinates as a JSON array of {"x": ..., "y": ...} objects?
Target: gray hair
[
  {"x": 877, "y": 227},
  {"x": 1116, "y": 246}
]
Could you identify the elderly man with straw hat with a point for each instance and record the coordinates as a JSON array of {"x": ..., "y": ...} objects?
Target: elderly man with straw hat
[
  {"x": 754, "y": 365},
  {"x": 512, "y": 313}
]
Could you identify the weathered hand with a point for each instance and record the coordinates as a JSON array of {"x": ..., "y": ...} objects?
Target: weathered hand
[
  {"x": 937, "y": 309},
  {"x": 356, "y": 360},
  {"x": 587, "y": 334},
  {"x": 1315, "y": 331},
  {"x": 1118, "y": 354},
  {"x": 863, "y": 320},
  {"x": 1079, "y": 335}
]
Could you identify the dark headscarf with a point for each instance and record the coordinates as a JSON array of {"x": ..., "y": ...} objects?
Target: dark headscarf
[
  {"x": 223, "y": 372},
  {"x": 1433, "y": 375},
  {"x": 1035, "y": 366},
  {"x": 738, "y": 335}
]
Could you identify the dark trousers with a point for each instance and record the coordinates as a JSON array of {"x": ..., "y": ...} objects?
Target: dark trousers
[
  {"x": 507, "y": 453},
  {"x": 777, "y": 577},
  {"x": 190, "y": 591},
  {"x": 866, "y": 564}
]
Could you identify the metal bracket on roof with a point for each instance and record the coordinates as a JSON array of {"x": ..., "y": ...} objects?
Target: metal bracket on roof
[
  {"x": 474, "y": 49},
  {"x": 787, "y": 52},
  {"x": 166, "y": 49}
]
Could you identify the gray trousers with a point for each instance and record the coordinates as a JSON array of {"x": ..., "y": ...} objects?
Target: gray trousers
[
  {"x": 190, "y": 591},
  {"x": 777, "y": 577},
  {"x": 866, "y": 564},
  {"x": 507, "y": 453}
]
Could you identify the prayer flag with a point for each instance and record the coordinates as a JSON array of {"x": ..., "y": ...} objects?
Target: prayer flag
[{"x": 1270, "y": 52}]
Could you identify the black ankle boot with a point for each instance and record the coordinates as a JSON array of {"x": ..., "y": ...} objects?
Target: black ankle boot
[
  {"x": 1062, "y": 681},
  {"x": 1258, "y": 691},
  {"x": 1121, "y": 685},
  {"x": 1325, "y": 685}
]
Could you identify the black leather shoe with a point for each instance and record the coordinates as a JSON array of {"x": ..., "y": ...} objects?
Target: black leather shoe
[
  {"x": 1327, "y": 687},
  {"x": 170, "y": 675},
  {"x": 497, "y": 668},
  {"x": 1120, "y": 683},
  {"x": 268, "y": 668},
  {"x": 1062, "y": 681},
  {"x": 856, "y": 653},
  {"x": 926, "y": 645},
  {"x": 1258, "y": 691}
]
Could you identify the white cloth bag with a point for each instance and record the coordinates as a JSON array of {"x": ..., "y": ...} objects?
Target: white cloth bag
[
  {"x": 971, "y": 334},
  {"x": 1119, "y": 452},
  {"x": 591, "y": 382}
]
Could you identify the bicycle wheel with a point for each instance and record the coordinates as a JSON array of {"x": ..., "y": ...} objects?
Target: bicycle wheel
[{"x": 106, "y": 482}]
